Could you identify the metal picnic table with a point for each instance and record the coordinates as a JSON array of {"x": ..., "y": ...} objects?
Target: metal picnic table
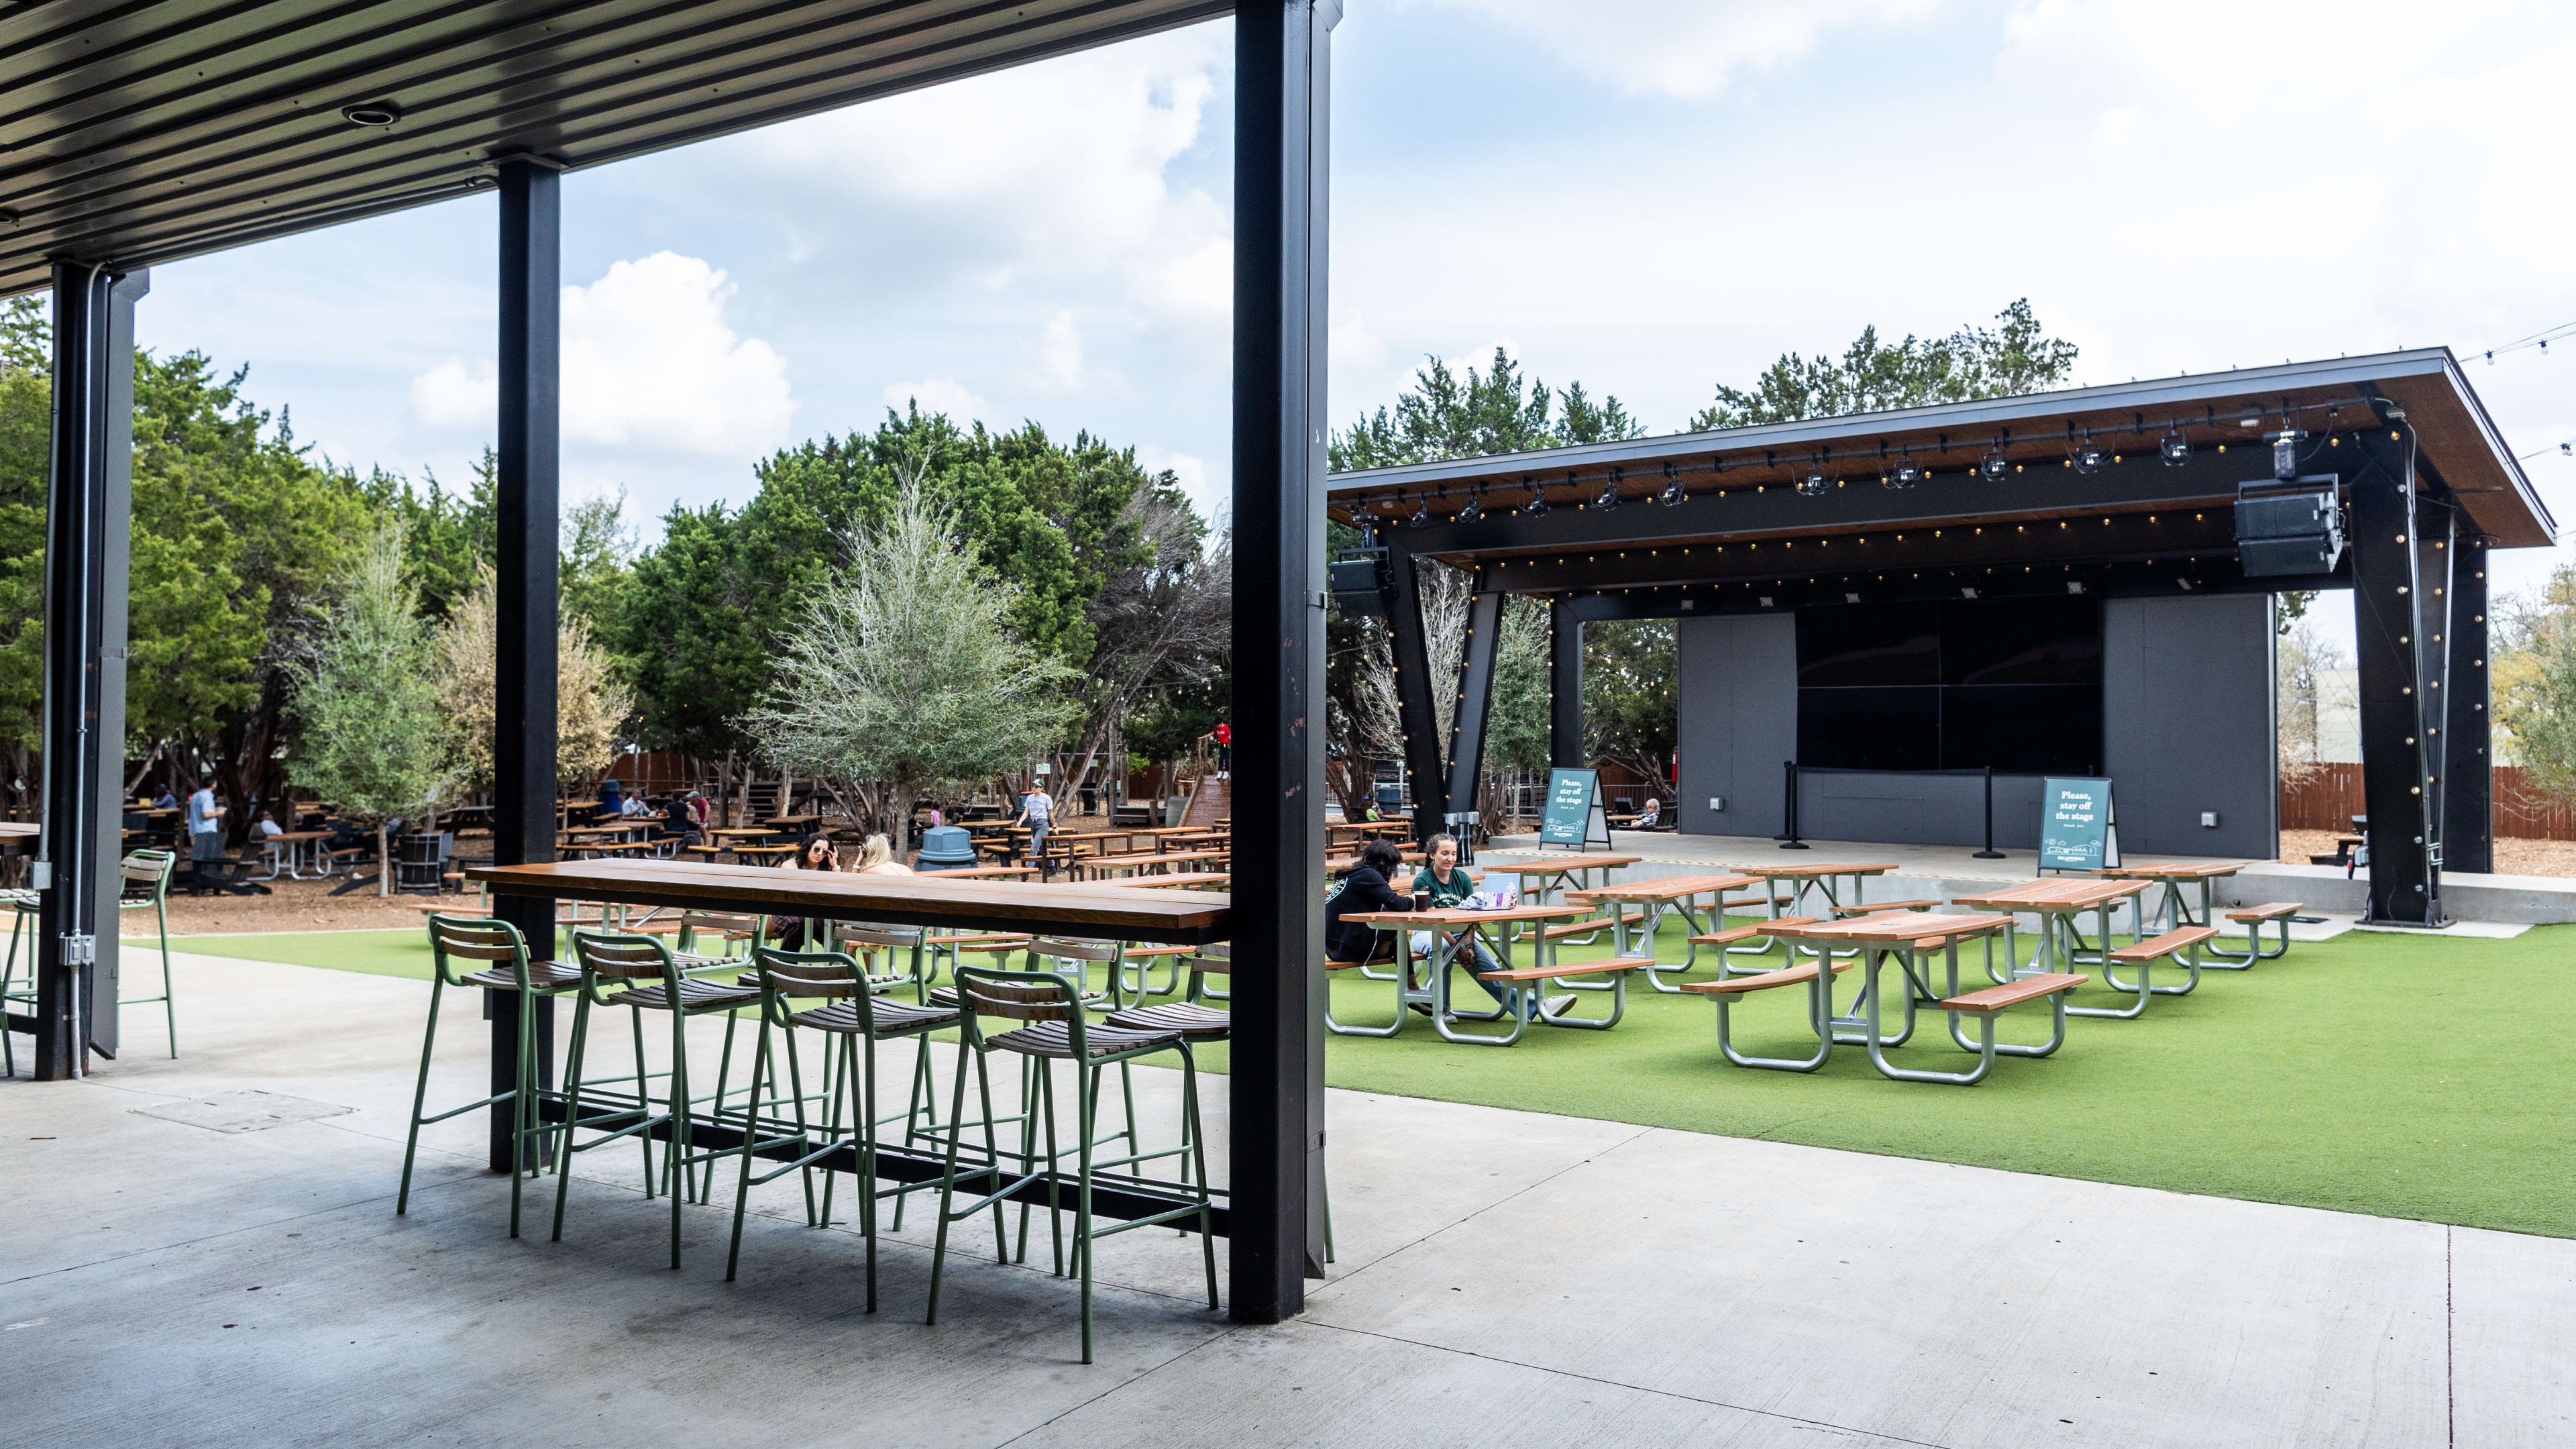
[
  {"x": 2172, "y": 910},
  {"x": 1657, "y": 898},
  {"x": 1817, "y": 877},
  {"x": 1903, "y": 937},
  {"x": 1454, "y": 934},
  {"x": 1554, "y": 872},
  {"x": 2057, "y": 903}
]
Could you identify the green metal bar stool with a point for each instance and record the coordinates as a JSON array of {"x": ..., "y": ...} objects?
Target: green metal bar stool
[
  {"x": 147, "y": 888},
  {"x": 23, "y": 905},
  {"x": 1053, "y": 1007},
  {"x": 666, "y": 986},
  {"x": 482, "y": 938},
  {"x": 859, "y": 1020}
]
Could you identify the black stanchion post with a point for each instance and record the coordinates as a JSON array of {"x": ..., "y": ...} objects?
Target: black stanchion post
[
  {"x": 1789, "y": 808},
  {"x": 1989, "y": 853}
]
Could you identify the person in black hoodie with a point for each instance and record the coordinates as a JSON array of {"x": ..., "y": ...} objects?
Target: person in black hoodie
[{"x": 1363, "y": 889}]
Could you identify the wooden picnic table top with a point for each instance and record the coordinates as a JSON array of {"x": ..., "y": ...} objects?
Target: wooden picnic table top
[
  {"x": 2075, "y": 894},
  {"x": 2172, "y": 870},
  {"x": 19, "y": 829},
  {"x": 1185, "y": 880},
  {"x": 287, "y": 837},
  {"x": 1895, "y": 926},
  {"x": 1154, "y": 857},
  {"x": 1806, "y": 870},
  {"x": 1464, "y": 918},
  {"x": 1666, "y": 888},
  {"x": 1557, "y": 864},
  {"x": 771, "y": 850},
  {"x": 740, "y": 830},
  {"x": 986, "y": 872},
  {"x": 1181, "y": 918},
  {"x": 1340, "y": 863},
  {"x": 784, "y": 822}
]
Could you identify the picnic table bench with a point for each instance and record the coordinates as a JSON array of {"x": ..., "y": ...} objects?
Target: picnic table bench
[
  {"x": 1454, "y": 934},
  {"x": 2058, "y": 903},
  {"x": 1655, "y": 900}
]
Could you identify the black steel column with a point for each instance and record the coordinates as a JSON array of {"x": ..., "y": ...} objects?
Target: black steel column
[
  {"x": 2468, "y": 763},
  {"x": 1564, "y": 685},
  {"x": 2387, "y": 600},
  {"x": 1283, "y": 85},
  {"x": 1475, "y": 700},
  {"x": 523, "y": 765},
  {"x": 87, "y": 524},
  {"x": 1413, "y": 699}
]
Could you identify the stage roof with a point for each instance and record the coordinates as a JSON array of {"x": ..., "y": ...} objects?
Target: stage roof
[
  {"x": 132, "y": 134},
  {"x": 1742, "y": 483}
]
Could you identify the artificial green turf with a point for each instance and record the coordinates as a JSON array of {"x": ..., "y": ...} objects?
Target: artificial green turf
[{"x": 2404, "y": 1076}]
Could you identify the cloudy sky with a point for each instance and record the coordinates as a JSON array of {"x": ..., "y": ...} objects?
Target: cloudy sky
[{"x": 1651, "y": 196}]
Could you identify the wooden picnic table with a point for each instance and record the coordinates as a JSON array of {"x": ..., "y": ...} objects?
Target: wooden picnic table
[
  {"x": 1336, "y": 864},
  {"x": 1554, "y": 871},
  {"x": 792, "y": 822},
  {"x": 2057, "y": 903},
  {"x": 1186, "y": 880},
  {"x": 1898, "y": 935},
  {"x": 2171, "y": 911},
  {"x": 985, "y": 872},
  {"x": 1146, "y": 860},
  {"x": 1657, "y": 898},
  {"x": 1454, "y": 936},
  {"x": 753, "y": 831}
]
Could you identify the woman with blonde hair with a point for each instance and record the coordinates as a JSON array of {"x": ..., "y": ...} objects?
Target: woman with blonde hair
[{"x": 877, "y": 858}]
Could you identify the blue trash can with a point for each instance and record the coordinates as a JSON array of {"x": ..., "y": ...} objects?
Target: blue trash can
[{"x": 946, "y": 847}]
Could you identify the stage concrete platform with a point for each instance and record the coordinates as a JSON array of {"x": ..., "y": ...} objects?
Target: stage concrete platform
[
  {"x": 1952, "y": 870},
  {"x": 185, "y": 1264}
]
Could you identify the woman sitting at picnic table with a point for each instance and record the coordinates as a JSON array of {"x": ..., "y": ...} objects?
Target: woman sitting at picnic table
[
  {"x": 876, "y": 857},
  {"x": 1364, "y": 888},
  {"x": 817, "y": 853},
  {"x": 1447, "y": 885}
]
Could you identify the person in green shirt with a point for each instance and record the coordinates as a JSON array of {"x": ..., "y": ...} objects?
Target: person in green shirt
[{"x": 1447, "y": 885}]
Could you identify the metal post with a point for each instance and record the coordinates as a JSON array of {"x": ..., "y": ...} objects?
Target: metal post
[
  {"x": 1564, "y": 685},
  {"x": 1788, "y": 836},
  {"x": 1283, "y": 85},
  {"x": 2468, "y": 764},
  {"x": 2387, "y": 596},
  {"x": 1989, "y": 853},
  {"x": 86, "y": 529},
  {"x": 523, "y": 773},
  {"x": 1413, "y": 666},
  {"x": 1475, "y": 702}
]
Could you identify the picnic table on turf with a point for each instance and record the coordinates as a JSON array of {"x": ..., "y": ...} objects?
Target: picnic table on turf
[
  {"x": 1454, "y": 934},
  {"x": 1903, "y": 937},
  {"x": 1556, "y": 871},
  {"x": 2057, "y": 903},
  {"x": 290, "y": 857},
  {"x": 2172, "y": 911},
  {"x": 1656, "y": 899}
]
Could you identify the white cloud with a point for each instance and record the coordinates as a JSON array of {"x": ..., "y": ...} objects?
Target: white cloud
[
  {"x": 1683, "y": 48},
  {"x": 648, "y": 363},
  {"x": 1060, "y": 352},
  {"x": 1352, "y": 344},
  {"x": 938, "y": 395},
  {"x": 1207, "y": 492}
]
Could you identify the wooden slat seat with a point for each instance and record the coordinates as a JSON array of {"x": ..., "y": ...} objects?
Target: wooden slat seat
[
  {"x": 1575, "y": 928},
  {"x": 1198, "y": 1023},
  {"x": 543, "y": 975},
  {"x": 2013, "y": 993},
  {"x": 2272, "y": 912},
  {"x": 1879, "y": 907},
  {"x": 1055, "y": 1039},
  {"x": 1568, "y": 968},
  {"x": 1796, "y": 975},
  {"x": 890, "y": 1017},
  {"x": 1733, "y": 934},
  {"x": 695, "y": 995},
  {"x": 2164, "y": 945}
]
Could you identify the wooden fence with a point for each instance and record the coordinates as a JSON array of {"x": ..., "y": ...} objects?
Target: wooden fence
[{"x": 2328, "y": 799}]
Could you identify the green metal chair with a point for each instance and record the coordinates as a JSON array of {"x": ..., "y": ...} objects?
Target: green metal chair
[
  {"x": 22, "y": 904},
  {"x": 1053, "y": 1008},
  {"x": 657, "y": 981},
  {"x": 483, "y": 938},
  {"x": 147, "y": 888},
  {"x": 859, "y": 1020}
]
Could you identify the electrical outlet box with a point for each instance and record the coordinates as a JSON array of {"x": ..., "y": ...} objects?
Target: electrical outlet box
[
  {"x": 1716, "y": 802},
  {"x": 2209, "y": 819}
]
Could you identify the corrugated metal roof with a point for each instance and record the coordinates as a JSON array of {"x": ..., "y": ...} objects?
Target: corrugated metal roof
[
  {"x": 2460, "y": 441},
  {"x": 135, "y": 133}
]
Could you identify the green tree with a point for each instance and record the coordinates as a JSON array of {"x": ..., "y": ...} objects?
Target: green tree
[
  {"x": 1628, "y": 711},
  {"x": 1497, "y": 411},
  {"x": 371, "y": 735},
  {"x": 900, "y": 674},
  {"x": 1871, "y": 376}
]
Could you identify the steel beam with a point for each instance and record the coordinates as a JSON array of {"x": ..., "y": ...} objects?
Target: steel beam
[
  {"x": 1413, "y": 697},
  {"x": 526, "y": 461},
  {"x": 1565, "y": 683},
  {"x": 87, "y": 523},
  {"x": 2388, "y": 628},
  {"x": 2468, "y": 761},
  {"x": 1283, "y": 89},
  {"x": 1475, "y": 701}
]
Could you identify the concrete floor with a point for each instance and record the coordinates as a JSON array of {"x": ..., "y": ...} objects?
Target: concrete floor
[{"x": 1505, "y": 1279}]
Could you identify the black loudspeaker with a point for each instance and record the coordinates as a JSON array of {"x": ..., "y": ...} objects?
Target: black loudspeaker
[
  {"x": 1357, "y": 584},
  {"x": 2289, "y": 526}
]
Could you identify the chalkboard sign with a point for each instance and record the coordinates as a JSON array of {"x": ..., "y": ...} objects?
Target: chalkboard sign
[
  {"x": 2078, "y": 828},
  {"x": 1574, "y": 816}
]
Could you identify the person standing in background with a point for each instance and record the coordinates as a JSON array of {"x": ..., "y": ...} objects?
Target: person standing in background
[
  {"x": 205, "y": 832},
  {"x": 1037, "y": 812},
  {"x": 1223, "y": 734}
]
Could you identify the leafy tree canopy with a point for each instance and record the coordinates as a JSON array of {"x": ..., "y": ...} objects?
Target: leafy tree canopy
[
  {"x": 1497, "y": 411},
  {"x": 1872, "y": 376}
]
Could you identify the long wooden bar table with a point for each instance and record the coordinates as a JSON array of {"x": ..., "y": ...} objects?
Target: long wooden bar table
[{"x": 1180, "y": 918}]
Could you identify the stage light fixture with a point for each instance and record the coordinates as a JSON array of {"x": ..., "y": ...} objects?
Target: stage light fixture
[
  {"x": 1421, "y": 514},
  {"x": 2285, "y": 452},
  {"x": 1474, "y": 512},
  {"x": 1994, "y": 467},
  {"x": 2086, "y": 457},
  {"x": 1608, "y": 497},
  {"x": 1906, "y": 474},
  {"x": 1814, "y": 484},
  {"x": 1673, "y": 495},
  {"x": 2174, "y": 448}
]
